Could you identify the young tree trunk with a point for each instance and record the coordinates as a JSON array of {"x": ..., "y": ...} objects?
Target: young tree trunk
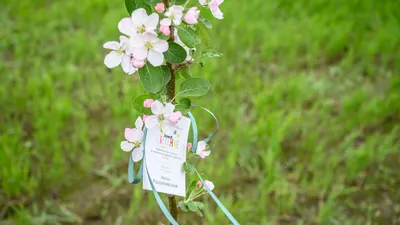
[{"x": 170, "y": 95}]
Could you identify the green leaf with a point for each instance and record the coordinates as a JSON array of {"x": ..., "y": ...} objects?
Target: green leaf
[
  {"x": 189, "y": 37},
  {"x": 188, "y": 168},
  {"x": 183, "y": 206},
  {"x": 138, "y": 104},
  {"x": 210, "y": 54},
  {"x": 192, "y": 185},
  {"x": 167, "y": 74},
  {"x": 185, "y": 101},
  {"x": 180, "y": 2},
  {"x": 200, "y": 205},
  {"x": 175, "y": 53},
  {"x": 132, "y": 5},
  {"x": 152, "y": 78},
  {"x": 184, "y": 72},
  {"x": 207, "y": 24},
  {"x": 204, "y": 35},
  {"x": 163, "y": 37},
  {"x": 194, "y": 87},
  {"x": 198, "y": 212},
  {"x": 192, "y": 206},
  {"x": 182, "y": 108}
]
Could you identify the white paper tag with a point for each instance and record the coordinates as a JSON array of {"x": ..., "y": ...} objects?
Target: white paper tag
[{"x": 165, "y": 155}]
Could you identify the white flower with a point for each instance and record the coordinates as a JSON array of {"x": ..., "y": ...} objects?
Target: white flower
[
  {"x": 178, "y": 40},
  {"x": 134, "y": 139},
  {"x": 214, "y": 7},
  {"x": 139, "y": 23},
  {"x": 120, "y": 54},
  {"x": 174, "y": 14},
  {"x": 161, "y": 116},
  {"x": 148, "y": 46},
  {"x": 209, "y": 184},
  {"x": 202, "y": 149}
]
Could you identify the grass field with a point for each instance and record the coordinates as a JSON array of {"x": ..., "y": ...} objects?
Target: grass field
[{"x": 317, "y": 82}]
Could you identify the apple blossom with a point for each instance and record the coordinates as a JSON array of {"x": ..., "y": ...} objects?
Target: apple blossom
[
  {"x": 147, "y": 103},
  {"x": 138, "y": 23},
  {"x": 161, "y": 116},
  {"x": 192, "y": 15},
  {"x": 175, "y": 14},
  {"x": 199, "y": 184},
  {"x": 134, "y": 138},
  {"x": 120, "y": 54},
  {"x": 203, "y": 2},
  {"x": 149, "y": 46},
  {"x": 160, "y": 7},
  {"x": 189, "y": 145},
  {"x": 164, "y": 26},
  {"x": 202, "y": 149},
  {"x": 145, "y": 117},
  {"x": 209, "y": 184}
]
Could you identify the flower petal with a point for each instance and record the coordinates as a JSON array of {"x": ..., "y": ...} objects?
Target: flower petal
[
  {"x": 203, "y": 2},
  {"x": 139, "y": 16},
  {"x": 126, "y": 27},
  {"x": 136, "y": 41},
  {"x": 155, "y": 58},
  {"x": 140, "y": 53},
  {"x": 113, "y": 59},
  {"x": 126, "y": 146},
  {"x": 209, "y": 184},
  {"x": 160, "y": 46},
  {"x": 151, "y": 122},
  {"x": 133, "y": 134},
  {"x": 217, "y": 13},
  {"x": 168, "y": 128},
  {"x": 165, "y": 22},
  {"x": 157, "y": 108},
  {"x": 152, "y": 22},
  {"x": 137, "y": 154},
  {"x": 129, "y": 134},
  {"x": 149, "y": 36},
  {"x": 139, "y": 123},
  {"x": 113, "y": 45},
  {"x": 127, "y": 66},
  {"x": 201, "y": 146},
  {"x": 168, "y": 109}
]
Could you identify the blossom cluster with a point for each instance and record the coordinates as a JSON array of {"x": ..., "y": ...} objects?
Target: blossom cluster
[{"x": 141, "y": 41}]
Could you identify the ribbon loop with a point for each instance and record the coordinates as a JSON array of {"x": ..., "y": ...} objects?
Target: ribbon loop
[{"x": 134, "y": 180}]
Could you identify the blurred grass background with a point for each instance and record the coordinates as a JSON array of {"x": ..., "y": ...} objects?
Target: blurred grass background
[{"x": 307, "y": 94}]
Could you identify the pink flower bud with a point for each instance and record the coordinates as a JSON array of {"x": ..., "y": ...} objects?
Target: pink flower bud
[
  {"x": 160, "y": 7},
  {"x": 137, "y": 63},
  {"x": 145, "y": 117},
  {"x": 175, "y": 117},
  {"x": 192, "y": 16},
  {"x": 165, "y": 30},
  {"x": 147, "y": 103},
  {"x": 199, "y": 184},
  {"x": 189, "y": 145}
]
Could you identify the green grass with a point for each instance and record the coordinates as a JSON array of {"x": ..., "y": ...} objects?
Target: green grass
[{"x": 307, "y": 94}]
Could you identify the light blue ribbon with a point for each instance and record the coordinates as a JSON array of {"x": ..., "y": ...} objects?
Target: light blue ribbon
[{"x": 134, "y": 180}]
